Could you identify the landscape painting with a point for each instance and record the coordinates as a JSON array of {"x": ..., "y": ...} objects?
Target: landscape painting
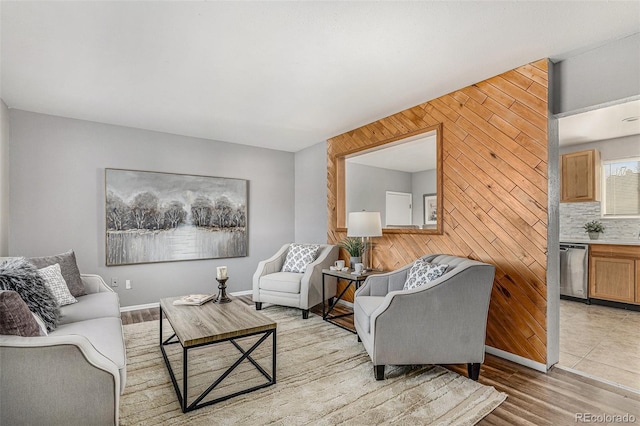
[{"x": 161, "y": 217}]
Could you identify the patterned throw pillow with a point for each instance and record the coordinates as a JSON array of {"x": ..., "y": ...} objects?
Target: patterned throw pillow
[
  {"x": 423, "y": 272},
  {"x": 53, "y": 279},
  {"x": 299, "y": 256}
]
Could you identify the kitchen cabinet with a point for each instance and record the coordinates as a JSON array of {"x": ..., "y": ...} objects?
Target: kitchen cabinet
[
  {"x": 580, "y": 176},
  {"x": 614, "y": 273}
]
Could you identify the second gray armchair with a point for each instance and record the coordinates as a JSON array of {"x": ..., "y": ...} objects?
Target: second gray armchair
[{"x": 441, "y": 322}]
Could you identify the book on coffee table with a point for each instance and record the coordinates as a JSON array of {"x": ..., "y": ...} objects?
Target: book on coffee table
[{"x": 194, "y": 299}]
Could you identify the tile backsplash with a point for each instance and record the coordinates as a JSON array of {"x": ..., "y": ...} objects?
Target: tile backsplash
[{"x": 573, "y": 216}]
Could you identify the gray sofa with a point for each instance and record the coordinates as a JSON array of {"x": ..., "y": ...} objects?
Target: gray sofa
[
  {"x": 442, "y": 322},
  {"x": 75, "y": 374}
]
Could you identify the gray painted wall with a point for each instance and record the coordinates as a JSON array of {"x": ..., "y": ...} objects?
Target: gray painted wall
[
  {"x": 421, "y": 183},
  {"x": 574, "y": 215},
  {"x": 367, "y": 187},
  {"x": 57, "y": 198},
  {"x": 610, "y": 149},
  {"x": 4, "y": 179},
  {"x": 311, "y": 194},
  {"x": 597, "y": 76}
]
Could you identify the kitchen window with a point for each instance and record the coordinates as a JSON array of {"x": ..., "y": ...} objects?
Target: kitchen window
[{"x": 621, "y": 188}]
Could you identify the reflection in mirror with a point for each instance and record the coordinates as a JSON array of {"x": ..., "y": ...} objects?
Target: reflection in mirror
[{"x": 397, "y": 179}]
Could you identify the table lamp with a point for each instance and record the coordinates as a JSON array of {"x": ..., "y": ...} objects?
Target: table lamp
[{"x": 365, "y": 225}]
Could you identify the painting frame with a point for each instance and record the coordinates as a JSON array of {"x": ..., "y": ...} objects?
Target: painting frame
[
  {"x": 153, "y": 217},
  {"x": 430, "y": 209}
]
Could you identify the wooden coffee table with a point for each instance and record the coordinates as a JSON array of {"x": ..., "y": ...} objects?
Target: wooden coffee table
[{"x": 208, "y": 324}]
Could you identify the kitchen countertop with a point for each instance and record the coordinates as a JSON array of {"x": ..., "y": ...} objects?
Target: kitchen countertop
[{"x": 601, "y": 241}]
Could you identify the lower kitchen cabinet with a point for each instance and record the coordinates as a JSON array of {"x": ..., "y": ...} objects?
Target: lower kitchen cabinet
[{"x": 614, "y": 273}]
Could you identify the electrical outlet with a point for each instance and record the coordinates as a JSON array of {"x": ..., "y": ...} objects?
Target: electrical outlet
[
  {"x": 114, "y": 282},
  {"x": 127, "y": 284}
]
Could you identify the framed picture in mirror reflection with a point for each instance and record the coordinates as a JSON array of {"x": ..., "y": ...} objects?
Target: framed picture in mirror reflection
[{"x": 430, "y": 209}]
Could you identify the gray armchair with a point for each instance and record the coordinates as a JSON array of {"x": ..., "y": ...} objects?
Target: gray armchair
[
  {"x": 442, "y": 322},
  {"x": 298, "y": 290}
]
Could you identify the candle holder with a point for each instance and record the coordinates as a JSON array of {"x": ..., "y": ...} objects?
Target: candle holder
[{"x": 222, "y": 291}]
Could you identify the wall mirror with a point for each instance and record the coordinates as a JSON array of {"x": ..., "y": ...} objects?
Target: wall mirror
[{"x": 401, "y": 178}]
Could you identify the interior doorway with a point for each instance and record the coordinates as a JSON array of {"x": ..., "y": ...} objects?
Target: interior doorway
[
  {"x": 597, "y": 341},
  {"x": 399, "y": 208}
]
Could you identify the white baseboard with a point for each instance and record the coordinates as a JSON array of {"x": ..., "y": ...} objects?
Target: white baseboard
[
  {"x": 157, "y": 304},
  {"x": 516, "y": 358},
  {"x": 136, "y": 307}
]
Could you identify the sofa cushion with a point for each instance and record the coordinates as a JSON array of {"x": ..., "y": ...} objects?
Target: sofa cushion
[
  {"x": 68, "y": 267},
  {"x": 55, "y": 282},
  {"x": 285, "y": 282},
  {"x": 299, "y": 256},
  {"x": 363, "y": 307},
  {"x": 15, "y": 317},
  {"x": 105, "y": 335},
  {"x": 423, "y": 272},
  {"x": 19, "y": 275},
  {"x": 90, "y": 306}
]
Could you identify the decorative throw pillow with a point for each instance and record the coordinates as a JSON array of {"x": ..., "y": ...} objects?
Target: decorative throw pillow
[
  {"x": 299, "y": 256},
  {"x": 423, "y": 272},
  {"x": 68, "y": 267},
  {"x": 15, "y": 316},
  {"x": 55, "y": 282},
  {"x": 19, "y": 275}
]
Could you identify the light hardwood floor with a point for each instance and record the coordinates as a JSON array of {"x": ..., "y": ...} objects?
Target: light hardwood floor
[{"x": 534, "y": 398}]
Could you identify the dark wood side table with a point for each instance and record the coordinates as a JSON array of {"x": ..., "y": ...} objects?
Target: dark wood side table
[{"x": 355, "y": 280}]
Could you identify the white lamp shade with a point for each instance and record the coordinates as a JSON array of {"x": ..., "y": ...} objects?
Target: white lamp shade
[{"x": 364, "y": 224}]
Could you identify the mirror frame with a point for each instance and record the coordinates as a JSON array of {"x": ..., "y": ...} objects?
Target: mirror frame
[{"x": 340, "y": 184}]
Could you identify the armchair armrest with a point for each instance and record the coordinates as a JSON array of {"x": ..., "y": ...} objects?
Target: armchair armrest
[
  {"x": 94, "y": 284},
  {"x": 56, "y": 379},
  {"x": 269, "y": 266},
  {"x": 312, "y": 278}
]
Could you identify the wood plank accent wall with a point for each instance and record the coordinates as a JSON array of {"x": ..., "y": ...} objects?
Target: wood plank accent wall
[{"x": 494, "y": 195}]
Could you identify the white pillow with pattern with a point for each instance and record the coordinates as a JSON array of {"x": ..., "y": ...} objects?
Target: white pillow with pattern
[
  {"x": 423, "y": 272},
  {"x": 299, "y": 256},
  {"x": 54, "y": 281}
]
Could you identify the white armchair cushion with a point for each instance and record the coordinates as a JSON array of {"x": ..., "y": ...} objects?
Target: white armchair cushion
[
  {"x": 285, "y": 282},
  {"x": 299, "y": 256},
  {"x": 423, "y": 272}
]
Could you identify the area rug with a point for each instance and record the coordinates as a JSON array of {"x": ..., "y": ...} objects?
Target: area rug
[{"x": 324, "y": 376}]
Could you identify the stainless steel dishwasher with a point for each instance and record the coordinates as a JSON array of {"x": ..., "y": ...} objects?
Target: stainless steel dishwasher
[{"x": 574, "y": 271}]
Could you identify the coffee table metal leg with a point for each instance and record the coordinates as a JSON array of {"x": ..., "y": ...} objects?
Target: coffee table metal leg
[
  {"x": 185, "y": 386},
  {"x": 273, "y": 361}
]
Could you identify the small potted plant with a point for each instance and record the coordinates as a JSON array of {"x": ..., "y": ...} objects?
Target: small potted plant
[
  {"x": 594, "y": 228},
  {"x": 355, "y": 247}
]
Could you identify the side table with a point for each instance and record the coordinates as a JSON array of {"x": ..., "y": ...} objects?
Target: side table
[{"x": 355, "y": 280}]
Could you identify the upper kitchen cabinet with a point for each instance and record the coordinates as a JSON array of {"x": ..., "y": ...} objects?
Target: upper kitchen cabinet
[{"x": 580, "y": 176}]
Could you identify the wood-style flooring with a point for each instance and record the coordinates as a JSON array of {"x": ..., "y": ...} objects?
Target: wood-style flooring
[{"x": 556, "y": 398}]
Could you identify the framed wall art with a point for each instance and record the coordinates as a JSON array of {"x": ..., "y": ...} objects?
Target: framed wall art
[
  {"x": 163, "y": 217},
  {"x": 430, "y": 208}
]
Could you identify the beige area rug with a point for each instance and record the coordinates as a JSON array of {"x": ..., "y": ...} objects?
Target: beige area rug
[{"x": 324, "y": 376}]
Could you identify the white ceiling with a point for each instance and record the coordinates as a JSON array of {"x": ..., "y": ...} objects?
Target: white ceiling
[
  {"x": 600, "y": 124},
  {"x": 282, "y": 75}
]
